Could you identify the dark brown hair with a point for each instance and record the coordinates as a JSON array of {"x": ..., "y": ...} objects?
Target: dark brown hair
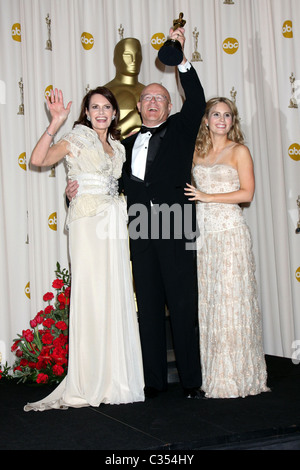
[{"x": 113, "y": 129}]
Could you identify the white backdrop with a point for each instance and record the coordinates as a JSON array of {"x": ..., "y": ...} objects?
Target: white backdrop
[{"x": 248, "y": 50}]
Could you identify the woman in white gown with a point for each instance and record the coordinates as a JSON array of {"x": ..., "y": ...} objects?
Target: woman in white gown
[
  {"x": 231, "y": 345},
  {"x": 105, "y": 363}
]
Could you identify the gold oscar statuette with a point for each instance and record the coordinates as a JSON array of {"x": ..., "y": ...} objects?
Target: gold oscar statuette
[
  {"x": 171, "y": 52},
  {"x": 125, "y": 85}
]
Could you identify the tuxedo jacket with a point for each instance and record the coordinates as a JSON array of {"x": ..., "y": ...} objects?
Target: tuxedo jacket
[{"x": 168, "y": 169}]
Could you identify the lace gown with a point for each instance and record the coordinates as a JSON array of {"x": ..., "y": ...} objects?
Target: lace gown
[
  {"x": 105, "y": 362},
  {"x": 231, "y": 345}
]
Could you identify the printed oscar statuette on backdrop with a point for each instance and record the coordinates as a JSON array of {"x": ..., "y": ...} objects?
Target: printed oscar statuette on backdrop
[
  {"x": 196, "y": 56},
  {"x": 298, "y": 223},
  {"x": 48, "y": 42},
  {"x": 21, "y": 106},
  {"x": 171, "y": 52},
  {"x": 293, "y": 100}
]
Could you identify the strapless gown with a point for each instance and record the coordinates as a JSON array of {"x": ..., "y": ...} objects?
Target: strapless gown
[
  {"x": 230, "y": 323},
  {"x": 105, "y": 360}
]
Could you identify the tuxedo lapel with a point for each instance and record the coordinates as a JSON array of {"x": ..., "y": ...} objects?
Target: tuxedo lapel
[
  {"x": 154, "y": 145},
  {"x": 128, "y": 144}
]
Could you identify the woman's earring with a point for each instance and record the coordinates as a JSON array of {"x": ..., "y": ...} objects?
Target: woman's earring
[
  {"x": 88, "y": 117},
  {"x": 113, "y": 117}
]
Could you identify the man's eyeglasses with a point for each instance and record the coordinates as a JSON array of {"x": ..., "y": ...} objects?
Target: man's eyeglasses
[{"x": 156, "y": 97}]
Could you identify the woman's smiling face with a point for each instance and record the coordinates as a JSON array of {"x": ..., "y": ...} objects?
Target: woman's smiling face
[
  {"x": 100, "y": 111},
  {"x": 220, "y": 119}
]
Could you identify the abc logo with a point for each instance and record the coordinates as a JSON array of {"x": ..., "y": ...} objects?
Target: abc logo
[
  {"x": 48, "y": 91},
  {"x": 294, "y": 152},
  {"x": 16, "y": 32},
  {"x": 27, "y": 290},
  {"x": 87, "y": 41},
  {"x": 230, "y": 45},
  {"x": 52, "y": 221},
  {"x": 22, "y": 160},
  {"x": 287, "y": 29},
  {"x": 157, "y": 40},
  {"x": 297, "y": 274}
]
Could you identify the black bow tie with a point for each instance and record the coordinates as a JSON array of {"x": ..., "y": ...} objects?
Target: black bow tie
[{"x": 152, "y": 130}]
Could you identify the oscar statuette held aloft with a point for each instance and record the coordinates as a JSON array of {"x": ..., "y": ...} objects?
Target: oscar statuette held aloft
[{"x": 171, "y": 52}]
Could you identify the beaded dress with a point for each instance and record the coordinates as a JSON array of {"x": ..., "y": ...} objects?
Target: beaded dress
[
  {"x": 231, "y": 345},
  {"x": 105, "y": 362}
]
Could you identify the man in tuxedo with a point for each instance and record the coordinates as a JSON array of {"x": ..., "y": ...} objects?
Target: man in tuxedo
[{"x": 161, "y": 225}]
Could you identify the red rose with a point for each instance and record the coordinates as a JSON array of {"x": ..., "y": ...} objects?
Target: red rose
[
  {"x": 39, "y": 317},
  {"x": 63, "y": 299},
  {"x": 28, "y": 335},
  {"x": 41, "y": 364},
  {"x": 48, "y": 296},
  {"x": 58, "y": 370},
  {"x": 42, "y": 378},
  {"x": 59, "y": 355},
  {"x": 44, "y": 358},
  {"x": 60, "y": 341},
  {"x": 48, "y": 322},
  {"x": 47, "y": 338},
  {"x": 67, "y": 291},
  {"x": 32, "y": 365},
  {"x": 61, "y": 325},
  {"x": 23, "y": 362},
  {"x": 48, "y": 309},
  {"x": 33, "y": 323},
  {"x": 58, "y": 284}
]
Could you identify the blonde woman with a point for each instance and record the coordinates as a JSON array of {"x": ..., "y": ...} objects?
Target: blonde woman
[{"x": 231, "y": 347}]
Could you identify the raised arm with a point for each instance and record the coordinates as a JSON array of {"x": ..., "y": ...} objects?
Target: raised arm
[{"x": 45, "y": 154}]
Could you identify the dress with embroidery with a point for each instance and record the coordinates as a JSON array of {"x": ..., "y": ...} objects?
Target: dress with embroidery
[
  {"x": 231, "y": 344},
  {"x": 105, "y": 361}
]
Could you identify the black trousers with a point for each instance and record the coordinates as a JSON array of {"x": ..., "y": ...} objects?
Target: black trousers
[{"x": 165, "y": 274}]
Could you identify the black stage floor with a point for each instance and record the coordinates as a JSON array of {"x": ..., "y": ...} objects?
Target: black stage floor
[{"x": 168, "y": 423}]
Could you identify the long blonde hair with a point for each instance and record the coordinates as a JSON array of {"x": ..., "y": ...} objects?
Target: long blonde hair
[{"x": 203, "y": 141}]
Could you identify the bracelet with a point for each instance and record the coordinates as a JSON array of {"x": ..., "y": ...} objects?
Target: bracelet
[{"x": 51, "y": 135}]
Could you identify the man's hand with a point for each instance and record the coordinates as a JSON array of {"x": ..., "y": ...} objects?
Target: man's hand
[
  {"x": 71, "y": 189},
  {"x": 178, "y": 34}
]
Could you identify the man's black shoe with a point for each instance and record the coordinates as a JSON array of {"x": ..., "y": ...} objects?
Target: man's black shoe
[{"x": 193, "y": 393}]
